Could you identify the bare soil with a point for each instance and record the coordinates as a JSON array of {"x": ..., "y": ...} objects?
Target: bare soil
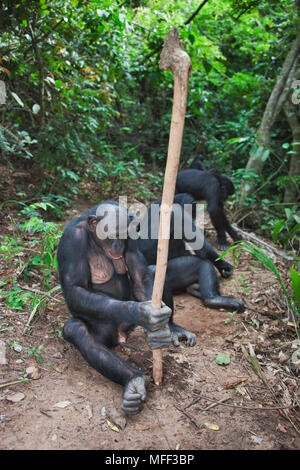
[{"x": 200, "y": 405}]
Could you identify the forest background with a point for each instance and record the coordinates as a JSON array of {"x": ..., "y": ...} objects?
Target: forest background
[
  {"x": 85, "y": 116},
  {"x": 85, "y": 110}
]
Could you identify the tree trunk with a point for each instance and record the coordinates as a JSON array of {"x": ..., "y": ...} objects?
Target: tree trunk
[
  {"x": 279, "y": 95},
  {"x": 292, "y": 190}
]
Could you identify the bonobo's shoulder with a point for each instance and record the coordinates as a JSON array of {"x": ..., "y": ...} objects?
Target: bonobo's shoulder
[
  {"x": 180, "y": 198},
  {"x": 132, "y": 245},
  {"x": 193, "y": 173},
  {"x": 76, "y": 228},
  {"x": 183, "y": 198}
]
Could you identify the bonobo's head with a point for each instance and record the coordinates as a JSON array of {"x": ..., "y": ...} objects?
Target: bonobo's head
[
  {"x": 197, "y": 163},
  {"x": 227, "y": 188},
  {"x": 109, "y": 228},
  {"x": 186, "y": 199}
]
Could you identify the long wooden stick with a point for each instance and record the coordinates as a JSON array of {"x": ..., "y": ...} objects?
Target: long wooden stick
[{"x": 173, "y": 58}]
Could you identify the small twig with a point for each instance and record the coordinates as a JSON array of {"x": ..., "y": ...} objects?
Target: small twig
[
  {"x": 279, "y": 347},
  {"x": 193, "y": 402},
  {"x": 13, "y": 383},
  {"x": 37, "y": 291},
  {"x": 44, "y": 294},
  {"x": 216, "y": 403},
  {"x": 248, "y": 408},
  {"x": 45, "y": 412},
  {"x": 189, "y": 417},
  {"x": 130, "y": 346},
  {"x": 13, "y": 314}
]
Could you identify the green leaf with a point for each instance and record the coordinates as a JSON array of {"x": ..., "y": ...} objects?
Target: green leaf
[
  {"x": 16, "y": 97},
  {"x": 237, "y": 139},
  {"x": 278, "y": 227},
  {"x": 265, "y": 155},
  {"x": 223, "y": 359},
  {"x": 296, "y": 285}
]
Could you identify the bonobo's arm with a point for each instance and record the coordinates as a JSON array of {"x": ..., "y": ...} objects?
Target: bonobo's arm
[
  {"x": 206, "y": 251},
  {"x": 139, "y": 272},
  {"x": 75, "y": 280}
]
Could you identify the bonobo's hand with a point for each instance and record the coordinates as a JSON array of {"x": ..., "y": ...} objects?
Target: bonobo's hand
[
  {"x": 159, "y": 339},
  {"x": 153, "y": 319},
  {"x": 224, "y": 268},
  {"x": 134, "y": 395},
  {"x": 178, "y": 333}
]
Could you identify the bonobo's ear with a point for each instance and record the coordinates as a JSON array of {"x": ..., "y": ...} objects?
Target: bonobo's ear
[
  {"x": 92, "y": 222},
  {"x": 133, "y": 217}
]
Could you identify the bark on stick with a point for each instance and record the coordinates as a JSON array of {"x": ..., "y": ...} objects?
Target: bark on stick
[{"x": 173, "y": 58}]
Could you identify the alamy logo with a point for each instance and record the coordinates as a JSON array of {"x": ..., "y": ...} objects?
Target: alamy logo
[
  {"x": 122, "y": 222},
  {"x": 296, "y": 93},
  {"x": 2, "y": 92}
]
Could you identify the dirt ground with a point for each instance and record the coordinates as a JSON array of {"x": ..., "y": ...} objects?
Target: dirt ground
[{"x": 200, "y": 405}]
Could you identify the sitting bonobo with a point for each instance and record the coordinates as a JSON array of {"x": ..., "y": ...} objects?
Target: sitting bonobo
[{"x": 108, "y": 287}]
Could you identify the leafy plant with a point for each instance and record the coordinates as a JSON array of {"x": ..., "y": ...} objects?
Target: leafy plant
[
  {"x": 285, "y": 231},
  {"x": 36, "y": 352},
  {"x": 257, "y": 253},
  {"x": 16, "y": 297},
  {"x": 10, "y": 248},
  {"x": 49, "y": 234}
]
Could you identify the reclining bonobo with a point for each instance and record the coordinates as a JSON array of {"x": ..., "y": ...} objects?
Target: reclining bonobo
[{"x": 194, "y": 272}]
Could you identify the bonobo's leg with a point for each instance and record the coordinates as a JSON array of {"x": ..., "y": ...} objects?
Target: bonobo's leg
[
  {"x": 90, "y": 343},
  {"x": 218, "y": 220},
  {"x": 185, "y": 271},
  {"x": 230, "y": 230},
  {"x": 177, "y": 332},
  {"x": 209, "y": 290}
]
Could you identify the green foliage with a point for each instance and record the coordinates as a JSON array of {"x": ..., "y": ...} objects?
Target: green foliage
[
  {"x": 285, "y": 231},
  {"x": 49, "y": 235},
  {"x": 35, "y": 351},
  {"x": 223, "y": 359},
  {"x": 15, "y": 297},
  {"x": 86, "y": 97},
  {"x": 9, "y": 248},
  {"x": 295, "y": 278},
  {"x": 45, "y": 236},
  {"x": 260, "y": 255}
]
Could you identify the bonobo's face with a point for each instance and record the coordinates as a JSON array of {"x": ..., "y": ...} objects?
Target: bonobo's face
[
  {"x": 109, "y": 228},
  {"x": 114, "y": 249},
  {"x": 227, "y": 187}
]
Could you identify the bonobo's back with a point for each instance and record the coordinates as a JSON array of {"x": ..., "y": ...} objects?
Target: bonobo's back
[
  {"x": 148, "y": 246},
  {"x": 204, "y": 184},
  {"x": 197, "y": 183}
]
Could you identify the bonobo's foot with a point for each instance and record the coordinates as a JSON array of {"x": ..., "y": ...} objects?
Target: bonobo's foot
[
  {"x": 194, "y": 289},
  {"x": 222, "y": 246},
  {"x": 178, "y": 334},
  {"x": 134, "y": 395},
  {"x": 224, "y": 268},
  {"x": 227, "y": 302}
]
